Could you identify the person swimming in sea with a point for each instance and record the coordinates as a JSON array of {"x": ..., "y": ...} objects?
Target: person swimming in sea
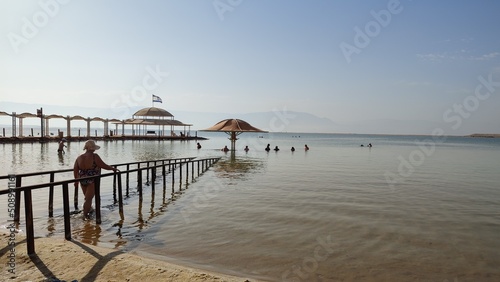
[{"x": 268, "y": 148}]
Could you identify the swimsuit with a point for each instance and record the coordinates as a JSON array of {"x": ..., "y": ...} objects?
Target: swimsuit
[{"x": 89, "y": 172}]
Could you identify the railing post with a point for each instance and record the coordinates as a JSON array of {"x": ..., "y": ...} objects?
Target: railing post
[
  {"x": 30, "y": 233},
  {"x": 75, "y": 198},
  {"x": 139, "y": 184},
  {"x": 67, "y": 222},
  {"x": 153, "y": 177},
  {"x": 147, "y": 173},
  {"x": 51, "y": 195},
  {"x": 114, "y": 188},
  {"x": 173, "y": 178},
  {"x": 127, "y": 179},
  {"x": 198, "y": 164},
  {"x": 192, "y": 171},
  {"x": 17, "y": 208},
  {"x": 180, "y": 173},
  {"x": 163, "y": 174},
  {"x": 97, "y": 185},
  {"x": 120, "y": 196}
]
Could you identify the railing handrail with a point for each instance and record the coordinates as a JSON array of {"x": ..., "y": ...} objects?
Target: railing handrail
[
  {"x": 61, "y": 182},
  {"x": 70, "y": 169}
]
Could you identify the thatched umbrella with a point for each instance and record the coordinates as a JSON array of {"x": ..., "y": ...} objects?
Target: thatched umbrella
[{"x": 233, "y": 127}]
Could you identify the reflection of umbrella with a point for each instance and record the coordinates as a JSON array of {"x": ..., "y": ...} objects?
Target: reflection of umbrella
[{"x": 233, "y": 127}]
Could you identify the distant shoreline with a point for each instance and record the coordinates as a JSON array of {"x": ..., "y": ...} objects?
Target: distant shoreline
[{"x": 484, "y": 135}]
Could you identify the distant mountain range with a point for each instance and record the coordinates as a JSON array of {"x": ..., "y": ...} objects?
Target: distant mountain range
[
  {"x": 289, "y": 121},
  {"x": 270, "y": 121}
]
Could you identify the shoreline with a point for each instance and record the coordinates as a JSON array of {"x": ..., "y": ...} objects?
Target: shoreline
[
  {"x": 484, "y": 135},
  {"x": 57, "y": 259}
]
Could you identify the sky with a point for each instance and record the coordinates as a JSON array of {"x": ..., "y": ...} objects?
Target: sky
[{"x": 377, "y": 63}]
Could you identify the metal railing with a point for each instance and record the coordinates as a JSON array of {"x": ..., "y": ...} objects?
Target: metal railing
[{"x": 149, "y": 167}]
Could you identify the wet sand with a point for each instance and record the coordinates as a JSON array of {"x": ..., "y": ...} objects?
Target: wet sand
[{"x": 59, "y": 260}]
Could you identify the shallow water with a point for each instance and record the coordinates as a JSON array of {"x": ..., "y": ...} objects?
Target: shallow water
[{"x": 410, "y": 208}]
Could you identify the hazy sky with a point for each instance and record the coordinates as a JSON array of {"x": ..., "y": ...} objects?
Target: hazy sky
[{"x": 349, "y": 61}]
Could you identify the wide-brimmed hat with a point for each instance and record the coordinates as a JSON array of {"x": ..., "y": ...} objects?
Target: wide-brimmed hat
[{"x": 90, "y": 145}]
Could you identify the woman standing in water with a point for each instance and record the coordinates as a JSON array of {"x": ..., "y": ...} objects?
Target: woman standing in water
[{"x": 89, "y": 164}]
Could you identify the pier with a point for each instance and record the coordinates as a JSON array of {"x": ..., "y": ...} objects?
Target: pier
[
  {"x": 146, "y": 124},
  {"x": 35, "y": 139}
]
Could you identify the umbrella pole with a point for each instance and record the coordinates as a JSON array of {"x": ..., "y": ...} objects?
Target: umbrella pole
[{"x": 233, "y": 141}]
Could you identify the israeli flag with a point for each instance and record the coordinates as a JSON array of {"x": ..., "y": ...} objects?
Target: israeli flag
[{"x": 156, "y": 99}]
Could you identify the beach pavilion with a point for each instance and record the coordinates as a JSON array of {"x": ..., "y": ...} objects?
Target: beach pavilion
[
  {"x": 155, "y": 121},
  {"x": 145, "y": 122}
]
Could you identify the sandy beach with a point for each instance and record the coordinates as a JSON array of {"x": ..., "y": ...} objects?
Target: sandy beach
[{"x": 59, "y": 260}]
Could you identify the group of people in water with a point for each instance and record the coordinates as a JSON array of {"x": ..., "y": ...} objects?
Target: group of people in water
[
  {"x": 89, "y": 164},
  {"x": 276, "y": 149},
  {"x": 267, "y": 149}
]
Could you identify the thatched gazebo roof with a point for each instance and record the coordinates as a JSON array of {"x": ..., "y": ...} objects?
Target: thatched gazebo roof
[{"x": 153, "y": 112}]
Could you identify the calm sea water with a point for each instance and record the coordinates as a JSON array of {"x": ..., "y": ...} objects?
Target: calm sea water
[{"x": 409, "y": 209}]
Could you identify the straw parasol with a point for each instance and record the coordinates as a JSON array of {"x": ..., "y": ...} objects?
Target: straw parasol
[{"x": 233, "y": 127}]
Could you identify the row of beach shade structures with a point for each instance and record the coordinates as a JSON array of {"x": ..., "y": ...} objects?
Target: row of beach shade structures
[
  {"x": 149, "y": 118},
  {"x": 232, "y": 127}
]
